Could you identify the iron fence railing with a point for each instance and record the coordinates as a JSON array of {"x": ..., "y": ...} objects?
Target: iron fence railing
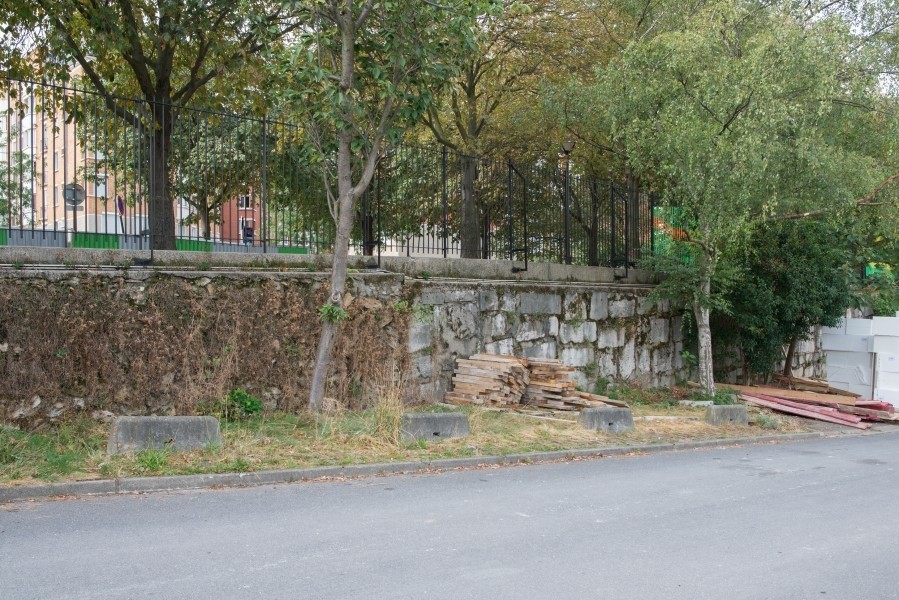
[{"x": 78, "y": 169}]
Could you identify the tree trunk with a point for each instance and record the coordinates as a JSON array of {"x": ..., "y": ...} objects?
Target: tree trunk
[
  {"x": 162, "y": 209},
  {"x": 788, "y": 361},
  {"x": 203, "y": 221},
  {"x": 704, "y": 333},
  {"x": 346, "y": 199},
  {"x": 471, "y": 230}
]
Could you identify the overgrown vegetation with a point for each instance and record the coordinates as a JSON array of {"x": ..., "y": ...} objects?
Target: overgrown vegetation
[
  {"x": 175, "y": 346},
  {"x": 336, "y": 436}
]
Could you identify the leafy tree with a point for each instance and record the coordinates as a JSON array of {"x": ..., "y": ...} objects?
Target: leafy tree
[
  {"x": 362, "y": 73},
  {"x": 166, "y": 51},
  {"x": 793, "y": 277},
  {"x": 739, "y": 110},
  {"x": 16, "y": 177}
]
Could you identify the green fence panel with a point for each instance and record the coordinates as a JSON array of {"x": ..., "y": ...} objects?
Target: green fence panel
[
  {"x": 193, "y": 245},
  {"x": 292, "y": 250},
  {"x": 95, "y": 240},
  {"x": 4, "y": 237}
]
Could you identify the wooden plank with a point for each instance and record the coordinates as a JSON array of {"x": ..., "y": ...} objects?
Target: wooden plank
[
  {"x": 824, "y": 410},
  {"x": 792, "y": 394},
  {"x": 801, "y": 412}
]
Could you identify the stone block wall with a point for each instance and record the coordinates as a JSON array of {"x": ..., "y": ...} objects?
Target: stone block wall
[
  {"x": 604, "y": 331},
  {"x": 153, "y": 342}
]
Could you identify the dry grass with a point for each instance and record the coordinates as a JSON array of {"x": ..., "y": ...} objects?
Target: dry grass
[{"x": 75, "y": 451}]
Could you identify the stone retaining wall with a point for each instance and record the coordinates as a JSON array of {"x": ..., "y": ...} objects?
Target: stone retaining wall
[
  {"x": 146, "y": 341},
  {"x": 611, "y": 332}
]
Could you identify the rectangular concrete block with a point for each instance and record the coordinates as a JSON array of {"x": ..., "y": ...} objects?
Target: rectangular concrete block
[
  {"x": 607, "y": 419},
  {"x": 434, "y": 426},
  {"x": 547, "y": 304},
  {"x": 724, "y": 414},
  {"x": 133, "y": 434}
]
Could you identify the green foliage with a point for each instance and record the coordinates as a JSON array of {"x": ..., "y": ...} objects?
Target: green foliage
[
  {"x": 331, "y": 313},
  {"x": 793, "y": 277},
  {"x": 152, "y": 460},
  {"x": 602, "y": 386},
  {"x": 721, "y": 397},
  {"x": 768, "y": 421},
  {"x": 880, "y": 291},
  {"x": 237, "y": 405}
]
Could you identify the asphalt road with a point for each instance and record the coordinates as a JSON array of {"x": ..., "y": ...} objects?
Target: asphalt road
[{"x": 801, "y": 520}]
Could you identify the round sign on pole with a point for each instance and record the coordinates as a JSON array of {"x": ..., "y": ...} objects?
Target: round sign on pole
[{"x": 73, "y": 194}]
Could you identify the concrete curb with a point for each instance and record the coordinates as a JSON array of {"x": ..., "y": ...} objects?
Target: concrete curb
[{"x": 132, "y": 485}]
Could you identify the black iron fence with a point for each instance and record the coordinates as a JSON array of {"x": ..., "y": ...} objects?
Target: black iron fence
[{"x": 81, "y": 170}]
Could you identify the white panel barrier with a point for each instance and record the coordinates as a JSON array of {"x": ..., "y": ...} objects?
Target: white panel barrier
[{"x": 863, "y": 357}]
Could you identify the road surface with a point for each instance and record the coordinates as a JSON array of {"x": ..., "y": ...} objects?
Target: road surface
[{"x": 815, "y": 519}]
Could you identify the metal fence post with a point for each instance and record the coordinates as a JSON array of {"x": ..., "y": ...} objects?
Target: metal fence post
[
  {"x": 652, "y": 222},
  {"x": 511, "y": 235},
  {"x": 378, "y": 202},
  {"x": 443, "y": 179},
  {"x": 567, "y": 210},
  {"x": 264, "y": 191},
  {"x": 613, "y": 250}
]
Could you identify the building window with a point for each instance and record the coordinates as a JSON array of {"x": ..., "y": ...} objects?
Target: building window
[
  {"x": 243, "y": 202},
  {"x": 56, "y": 160},
  {"x": 100, "y": 186}
]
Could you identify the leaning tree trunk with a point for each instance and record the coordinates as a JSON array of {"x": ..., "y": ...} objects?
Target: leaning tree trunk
[
  {"x": 788, "y": 361},
  {"x": 162, "y": 209},
  {"x": 330, "y": 327},
  {"x": 704, "y": 333},
  {"x": 470, "y": 234}
]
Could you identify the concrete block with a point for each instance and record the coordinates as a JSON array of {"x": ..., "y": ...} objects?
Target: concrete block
[
  {"x": 574, "y": 307},
  {"x": 506, "y": 346},
  {"x": 132, "y": 434},
  {"x": 420, "y": 336},
  {"x": 619, "y": 309},
  {"x": 552, "y": 326},
  {"x": 627, "y": 360},
  {"x": 888, "y": 326},
  {"x": 432, "y": 298},
  {"x": 644, "y": 305},
  {"x": 609, "y": 338},
  {"x": 733, "y": 414},
  {"x": 488, "y": 300},
  {"x": 544, "y": 350},
  {"x": 847, "y": 343},
  {"x": 576, "y": 334},
  {"x": 577, "y": 357},
  {"x": 658, "y": 333},
  {"x": 530, "y": 330},
  {"x": 599, "y": 306},
  {"x": 547, "y": 304},
  {"x": 885, "y": 345},
  {"x": 607, "y": 419},
  {"x": 434, "y": 426}
]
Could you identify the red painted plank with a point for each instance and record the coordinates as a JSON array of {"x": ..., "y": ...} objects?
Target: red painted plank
[
  {"x": 801, "y": 412},
  {"x": 823, "y": 410}
]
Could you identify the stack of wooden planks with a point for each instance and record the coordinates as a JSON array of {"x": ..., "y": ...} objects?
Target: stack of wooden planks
[
  {"x": 838, "y": 408},
  {"x": 551, "y": 386},
  {"x": 489, "y": 379},
  {"x": 811, "y": 385},
  {"x": 502, "y": 381}
]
